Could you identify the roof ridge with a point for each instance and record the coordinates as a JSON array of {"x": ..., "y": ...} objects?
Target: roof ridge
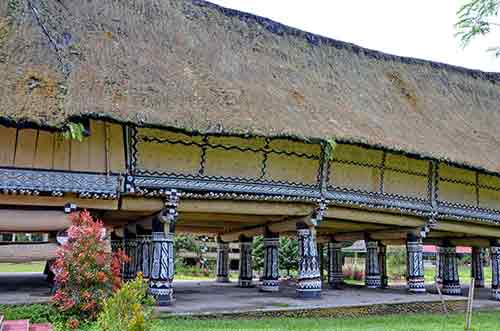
[{"x": 317, "y": 40}]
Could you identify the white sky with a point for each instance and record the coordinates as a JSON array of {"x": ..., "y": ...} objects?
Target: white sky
[{"x": 421, "y": 29}]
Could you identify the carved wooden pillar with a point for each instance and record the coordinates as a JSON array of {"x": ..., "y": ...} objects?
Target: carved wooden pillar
[
  {"x": 439, "y": 265},
  {"x": 222, "y": 262},
  {"x": 477, "y": 267},
  {"x": 335, "y": 263},
  {"x": 246, "y": 270},
  {"x": 162, "y": 271},
  {"x": 495, "y": 270},
  {"x": 271, "y": 281},
  {"x": 372, "y": 268},
  {"x": 130, "y": 248},
  {"x": 382, "y": 262},
  {"x": 308, "y": 280},
  {"x": 321, "y": 254},
  {"x": 415, "y": 264},
  {"x": 451, "y": 281}
]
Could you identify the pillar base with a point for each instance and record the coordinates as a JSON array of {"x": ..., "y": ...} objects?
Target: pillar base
[
  {"x": 336, "y": 280},
  {"x": 495, "y": 294},
  {"x": 451, "y": 289},
  {"x": 416, "y": 285},
  {"x": 245, "y": 283},
  {"x": 373, "y": 281},
  {"x": 270, "y": 285},
  {"x": 309, "y": 289},
  {"x": 163, "y": 293},
  {"x": 222, "y": 279},
  {"x": 479, "y": 283}
]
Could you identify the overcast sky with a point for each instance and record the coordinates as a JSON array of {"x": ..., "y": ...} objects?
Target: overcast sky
[{"x": 422, "y": 29}]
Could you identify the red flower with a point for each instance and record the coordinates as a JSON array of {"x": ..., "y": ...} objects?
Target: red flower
[{"x": 73, "y": 324}]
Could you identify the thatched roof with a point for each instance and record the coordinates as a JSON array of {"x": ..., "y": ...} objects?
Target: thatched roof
[{"x": 192, "y": 65}]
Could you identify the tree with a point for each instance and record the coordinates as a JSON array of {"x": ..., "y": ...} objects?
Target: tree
[
  {"x": 478, "y": 18},
  {"x": 289, "y": 254},
  {"x": 258, "y": 254}
]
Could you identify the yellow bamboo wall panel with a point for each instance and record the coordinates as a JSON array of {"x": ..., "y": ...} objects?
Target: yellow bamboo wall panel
[
  {"x": 404, "y": 163},
  {"x": 256, "y": 143},
  {"x": 62, "y": 152},
  {"x": 116, "y": 148},
  {"x": 97, "y": 150},
  {"x": 292, "y": 169},
  {"x": 457, "y": 193},
  {"x": 489, "y": 199},
  {"x": 449, "y": 172},
  {"x": 80, "y": 155},
  {"x": 404, "y": 184},
  {"x": 172, "y": 136},
  {"x": 44, "y": 157},
  {"x": 489, "y": 180},
  {"x": 355, "y": 177},
  {"x": 233, "y": 163},
  {"x": 296, "y": 147},
  {"x": 8, "y": 146},
  {"x": 357, "y": 154},
  {"x": 25, "y": 148},
  {"x": 171, "y": 158}
]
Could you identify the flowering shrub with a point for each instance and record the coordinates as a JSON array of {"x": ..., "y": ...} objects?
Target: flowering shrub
[
  {"x": 86, "y": 273},
  {"x": 129, "y": 309}
]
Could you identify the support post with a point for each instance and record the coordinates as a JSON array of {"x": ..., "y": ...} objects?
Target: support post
[
  {"x": 372, "y": 268},
  {"x": 477, "y": 267},
  {"x": 246, "y": 271},
  {"x": 335, "y": 263},
  {"x": 143, "y": 255},
  {"x": 271, "y": 281},
  {"x": 222, "y": 261},
  {"x": 130, "y": 248},
  {"x": 451, "y": 281},
  {"x": 382, "y": 262},
  {"x": 162, "y": 271},
  {"x": 439, "y": 266},
  {"x": 415, "y": 264},
  {"x": 308, "y": 280},
  {"x": 321, "y": 262},
  {"x": 495, "y": 270}
]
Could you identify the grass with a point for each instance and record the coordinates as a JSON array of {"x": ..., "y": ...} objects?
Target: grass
[
  {"x": 22, "y": 267},
  {"x": 484, "y": 321}
]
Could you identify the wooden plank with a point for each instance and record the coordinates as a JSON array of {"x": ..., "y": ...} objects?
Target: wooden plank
[
  {"x": 25, "y": 148},
  {"x": 79, "y": 155},
  {"x": 12, "y": 220},
  {"x": 44, "y": 156},
  {"x": 462, "y": 227},
  {"x": 116, "y": 151},
  {"x": 8, "y": 139},
  {"x": 61, "y": 153},
  {"x": 45, "y": 201},
  {"x": 97, "y": 149},
  {"x": 373, "y": 217}
]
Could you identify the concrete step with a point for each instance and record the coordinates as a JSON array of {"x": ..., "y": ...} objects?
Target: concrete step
[
  {"x": 41, "y": 327},
  {"x": 21, "y": 325}
]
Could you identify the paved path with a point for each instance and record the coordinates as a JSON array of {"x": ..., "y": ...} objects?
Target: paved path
[{"x": 195, "y": 297}]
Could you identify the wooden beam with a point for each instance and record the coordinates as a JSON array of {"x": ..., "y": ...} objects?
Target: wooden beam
[
  {"x": 467, "y": 242},
  {"x": 222, "y": 207},
  {"x": 12, "y": 220},
  {"x": 45, "y": 201},
  {"x": 467, "y": 228},
  {"x": 198, "y": 230},
  {"x": 373, "y": 217}
]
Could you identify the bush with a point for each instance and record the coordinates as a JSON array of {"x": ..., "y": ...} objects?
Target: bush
[
  {"x": 129, "y": 309},
  {"x": 85, "y": 272}
]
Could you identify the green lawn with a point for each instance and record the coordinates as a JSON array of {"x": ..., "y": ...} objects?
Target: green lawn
[
  {"x": 483, "y": 321},
  {"x": 22, "y": 267},
  {"x": 463, "y": 273}
]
